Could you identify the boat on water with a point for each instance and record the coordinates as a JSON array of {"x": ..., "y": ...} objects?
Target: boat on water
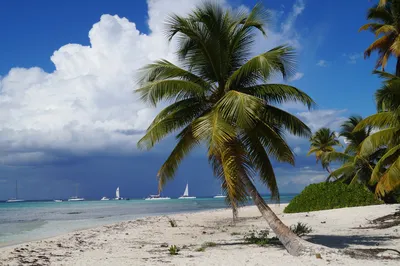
[
  {"x": 58, "y": 200},
  {"x": 76, "y": 198},
  {"x": 105, "y": 198},
  {"x": 157, "y": 197},
  {"x": 16, "y": 199},
  {"x": 220, "y": 195},
  {"x": 186, "y": 193},
  {"x": 117, "y": 195}
]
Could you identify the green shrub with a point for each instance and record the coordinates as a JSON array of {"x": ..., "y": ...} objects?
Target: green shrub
[
  {"x": 301, "y": 229},
  {"x": 333, "y": 195},
  {"x": 258, "y": 238}
]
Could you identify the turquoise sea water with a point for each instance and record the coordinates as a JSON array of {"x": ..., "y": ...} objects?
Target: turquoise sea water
[{"x": 26, "y": 221}]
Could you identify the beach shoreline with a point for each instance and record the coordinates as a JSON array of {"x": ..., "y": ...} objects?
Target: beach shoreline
[{"x": 145, "y": 241}]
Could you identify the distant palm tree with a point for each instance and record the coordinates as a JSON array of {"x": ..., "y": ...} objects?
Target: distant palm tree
[
  {"x": 323, "y": 141},
  {"x": 353, "y": 138},
  {"x": 385, "y": 25},
  {"x": 355, "y": 168},
  {"x": 220, "y": 97}
]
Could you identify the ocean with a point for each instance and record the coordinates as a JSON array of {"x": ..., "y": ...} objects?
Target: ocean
[{"x": 26, "y": 221}]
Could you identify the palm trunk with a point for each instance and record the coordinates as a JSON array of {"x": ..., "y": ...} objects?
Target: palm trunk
[
  {"x": 293, "y": 244},
  {"x": 398, "y": 67},
  {"x": 328, "y": 169},
  {"x": 235, "y": 214}
]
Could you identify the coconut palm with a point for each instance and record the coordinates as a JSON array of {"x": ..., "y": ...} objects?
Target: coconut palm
[
  {"x": 219, "y": 96},
  {"x": 385, "y": 24},
  {"x": 355, "y": 168},
  {"x": 323, "y": 141},
  {"x": 386, "y": 174}
]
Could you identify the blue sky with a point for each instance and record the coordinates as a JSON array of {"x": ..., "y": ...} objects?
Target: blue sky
[{"x": 68, "y": 114}]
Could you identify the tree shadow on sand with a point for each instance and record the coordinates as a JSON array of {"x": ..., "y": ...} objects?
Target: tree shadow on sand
[{"x": 335, "y": 241}]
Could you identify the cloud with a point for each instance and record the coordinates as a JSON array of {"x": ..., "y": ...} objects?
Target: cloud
[
  {"x": 322, "y": 63},
  {"x": 297, "y": 150},
  {"x": 353, "y": 57},
  {"x": 323, "y": 118},
  {"x": 295, "y": 179},
  {"x": 86, "y": 105},
  {"x": 297, "y": 76}
]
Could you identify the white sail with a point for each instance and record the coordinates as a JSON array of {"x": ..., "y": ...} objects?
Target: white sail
[
  {"x": 117, "y": 193},
  {"x": 186, "y": 193}
]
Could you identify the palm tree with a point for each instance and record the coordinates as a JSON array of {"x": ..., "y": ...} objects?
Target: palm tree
[
  {"x": 386, "y": 174},
  {"x": 323, "y": 141},
  {"x": 385, "y": 25},
  {"x": 355, "y": 168},
  {"x": 220, "y": 97}
]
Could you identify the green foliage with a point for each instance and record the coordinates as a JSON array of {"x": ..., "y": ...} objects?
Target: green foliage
[
  {"x": 174, "y": 250},
  {"x": 301, "y": 229},
  {"x": 220, "y": 97},
  {"x": 330, "y": 195},
  {"x": 259, "y": 238}
]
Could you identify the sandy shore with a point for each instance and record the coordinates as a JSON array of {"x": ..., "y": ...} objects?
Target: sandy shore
[{"x": 146, "y": 241}]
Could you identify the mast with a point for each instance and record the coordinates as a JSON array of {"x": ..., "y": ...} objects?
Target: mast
[{"x": 16, "y": 189}]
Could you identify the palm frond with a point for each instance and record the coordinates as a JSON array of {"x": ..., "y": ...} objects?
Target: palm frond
[
  {"x": 390, "y": 180},
  {"x": 279, "y": 93},
  {"x": 186, "y": 143},
  {"x": 240, "y": 109},
  {"x": 170, "y": 89},
  {"x": 259, "y": 158},
  {"x": 343, "y": 170},
  {"x": 377, "y": 140},
  {"x": 277, "y": 60},
  {"x": 290, "y": 122},
  {"x": 170, "y": 119},
  {"x": 379, "y": 120},
  {"x": 377, "y": 172}
]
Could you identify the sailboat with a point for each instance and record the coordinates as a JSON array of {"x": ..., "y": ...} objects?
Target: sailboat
[
  {"x": 220, "y": 195},
  {"x": 76, "y": 198},
  {"x": 117, "y": 196},
  {"x": 16, "y": 195},
  {"x": 186, "y": 193}
]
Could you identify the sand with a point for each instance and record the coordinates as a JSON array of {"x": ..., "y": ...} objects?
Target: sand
[{"x": 146, "y": 241}]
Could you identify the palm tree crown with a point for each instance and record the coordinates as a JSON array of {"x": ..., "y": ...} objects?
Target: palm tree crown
[
  {"x": 220, "y": 96},
  {"x": 385, "y": 25},
  {"x": 323, "y": 141}
]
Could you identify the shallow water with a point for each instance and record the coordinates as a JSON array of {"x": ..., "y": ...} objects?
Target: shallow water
[{"x": 26, "y": 221}]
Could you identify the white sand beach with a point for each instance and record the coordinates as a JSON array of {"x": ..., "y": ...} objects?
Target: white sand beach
[{"x": 146, "y": 241}]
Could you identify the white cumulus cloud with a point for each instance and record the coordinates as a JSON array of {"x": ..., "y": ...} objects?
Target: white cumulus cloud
[{"x": 87, "y": 104}]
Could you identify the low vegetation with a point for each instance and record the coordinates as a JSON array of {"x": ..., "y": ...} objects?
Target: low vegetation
[
  {"x": 330, "y": 195},
  {"x": 173, "y": 223},
  {"x": 173, "y": 250},
  {"x": 301, "y": 229},
  {"x": 259, "y": 238}
]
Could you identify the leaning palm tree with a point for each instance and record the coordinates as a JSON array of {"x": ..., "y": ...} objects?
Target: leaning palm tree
[
  {"x": 323, "y": 141},
  {"x": 220, "y": 97},
  {"x": 385, "y": 25}
]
